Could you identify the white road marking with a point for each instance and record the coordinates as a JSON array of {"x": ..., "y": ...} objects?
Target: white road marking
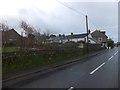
[
  {"x": 113, "y": 56},
  {"x": 97, "y": 68},
  {"x": 116, "y": 53},
  {"x": 110, "y": 58},
  {"x": 71, "y": 88}
]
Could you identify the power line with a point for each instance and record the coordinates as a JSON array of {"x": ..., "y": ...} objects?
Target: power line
[
  {"x": 71, "y": 8},
  {"x": 75, "y": 11}
]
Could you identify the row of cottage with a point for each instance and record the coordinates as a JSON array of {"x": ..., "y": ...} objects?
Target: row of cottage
[{"x": 11, "y": 37}]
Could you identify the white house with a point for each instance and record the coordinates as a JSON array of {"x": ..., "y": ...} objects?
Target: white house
[
  {"x": 73, "y": 37},
  {"x": 82, "y": 38}
]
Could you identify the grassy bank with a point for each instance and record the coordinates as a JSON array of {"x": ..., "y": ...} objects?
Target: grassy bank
[
  {"x": 35, "y": 60},
  {"x": 15, "y": 59}
]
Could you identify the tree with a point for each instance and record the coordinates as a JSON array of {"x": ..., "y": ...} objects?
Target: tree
[
  {"x": 4, "y": 28},
  {"x": 118, "y": 43},
  {"x": 29, "y": 30},
  {"x": 37, "y": 37},
  {"x": 110, "y": 43},
  {"x": 45, "y": 38}
]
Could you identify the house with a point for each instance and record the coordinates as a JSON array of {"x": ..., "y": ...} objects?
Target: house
[
  {"x": 81, "y": 38},
  {"x": 76, "y": 38},
  {"x": 72, "y": 38},
  {"x": 53, "y": 38},
  {"x": 11, "y": 38},
  {"x": 100, "y": 36},
  {"x": 57, "y": 38}
]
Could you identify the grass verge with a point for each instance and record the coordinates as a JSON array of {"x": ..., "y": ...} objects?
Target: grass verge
[{"x": 39, "y": 60}]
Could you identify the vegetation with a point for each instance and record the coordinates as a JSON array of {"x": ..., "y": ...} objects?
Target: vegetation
[
  {"x": 33, "y": 59},
  {"x": 37, "y": 50},
  {"x": 110, "y": 43},
  {"x": 0, "y": 49},
  {"x": 118, "y": 43},
  {"x": 10, "y": 49}
]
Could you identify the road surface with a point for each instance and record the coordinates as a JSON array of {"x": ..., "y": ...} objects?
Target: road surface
[{"x": 100, "y": 71}]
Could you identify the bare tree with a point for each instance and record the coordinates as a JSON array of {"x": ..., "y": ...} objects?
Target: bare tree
[
  {"x": 29, "y": 30},
  {"x": 4, "y": 28},
  {"x": 45, "y": 37},
  {"x": 37, "y": 37}
]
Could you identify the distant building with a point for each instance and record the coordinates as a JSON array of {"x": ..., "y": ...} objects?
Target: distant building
[
  {"x": 11, "y": 38},
  {"x": 100, "y": 36},
  {"x": 53, "y": 38},
  {"x": 58, "y": 38},
  {"x": 81, "y": 38},
  {"x": 72, "y": 38}
]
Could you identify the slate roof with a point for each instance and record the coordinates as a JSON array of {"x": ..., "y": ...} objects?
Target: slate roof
[
  {"x": 52, "y": 35},
  {"x": 77, "y": 35},
  {"x": 98, "y": 33}
]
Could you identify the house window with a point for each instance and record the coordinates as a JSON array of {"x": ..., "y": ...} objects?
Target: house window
[
  {"x": 89, "y": 41},
  {"x": 100, "y": 38}
]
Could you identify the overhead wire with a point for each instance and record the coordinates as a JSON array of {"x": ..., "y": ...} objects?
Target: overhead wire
[
  {"x": 73, "y": 9},
  {"x": 66, "y": 5},
  {"x": 79, "y": 12}
]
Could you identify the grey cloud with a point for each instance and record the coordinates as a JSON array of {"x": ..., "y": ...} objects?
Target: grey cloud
[{"x": 64, "y": 20}]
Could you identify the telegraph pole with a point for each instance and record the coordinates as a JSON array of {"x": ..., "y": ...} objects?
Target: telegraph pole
[{"x": 87, "y": 33}]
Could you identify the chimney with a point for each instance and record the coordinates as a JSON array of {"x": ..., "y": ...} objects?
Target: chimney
[
  {"x": 71, "y": 33},
  {"x": 103, "y": 32}
]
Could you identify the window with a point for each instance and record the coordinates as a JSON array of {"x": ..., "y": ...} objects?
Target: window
[{"x": 100, "y": 38}]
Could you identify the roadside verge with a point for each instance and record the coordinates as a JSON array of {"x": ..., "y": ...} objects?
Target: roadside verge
[{"x": 47, "y": 68}]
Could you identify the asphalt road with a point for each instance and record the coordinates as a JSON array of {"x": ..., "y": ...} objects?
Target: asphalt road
[{"x": 100, "y": 71}]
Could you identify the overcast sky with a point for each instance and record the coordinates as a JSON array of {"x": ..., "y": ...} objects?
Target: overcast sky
[{"x": 55, "y": 18}]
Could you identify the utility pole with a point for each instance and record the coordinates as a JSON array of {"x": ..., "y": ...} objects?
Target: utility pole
[{"x": 87, "y": 33}]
